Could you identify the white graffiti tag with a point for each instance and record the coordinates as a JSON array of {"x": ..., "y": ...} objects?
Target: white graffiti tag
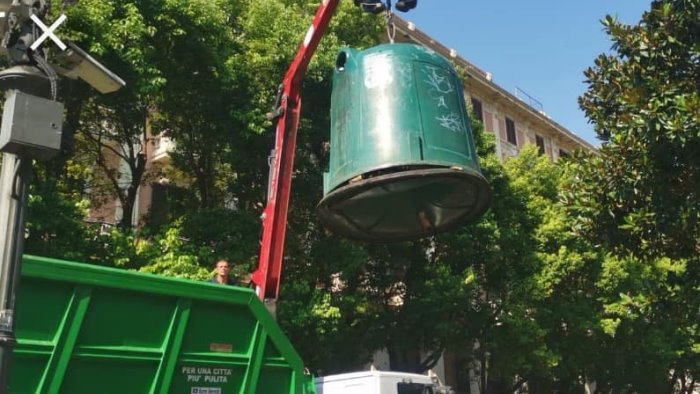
[
  {"x": 451, "y": 122},
  {"x": 438, "y": 80}
]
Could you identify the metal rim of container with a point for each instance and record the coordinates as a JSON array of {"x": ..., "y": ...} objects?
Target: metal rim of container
[{"x": 332, "y": 221}]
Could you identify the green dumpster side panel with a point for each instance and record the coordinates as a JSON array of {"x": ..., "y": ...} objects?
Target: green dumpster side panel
[{"x": 90, "y": 329}]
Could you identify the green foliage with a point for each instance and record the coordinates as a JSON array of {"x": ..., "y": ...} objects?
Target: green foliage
[
  {"x": 646, "y": 104},
  {"x": 55, "y": 224},
  {"x": 638, "y": 197},
  {"x": 506, "y": 256},
  {"x": 108, "y": 130},
  {"x": 223, "y": 233},
  {"x": 174, "y": 256}
]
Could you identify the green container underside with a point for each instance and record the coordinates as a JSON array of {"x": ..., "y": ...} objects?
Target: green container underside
[{"x": 90, "y": 329}]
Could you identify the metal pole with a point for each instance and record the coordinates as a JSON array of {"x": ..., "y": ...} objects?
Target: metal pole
[{"x": 15, "y": 176}]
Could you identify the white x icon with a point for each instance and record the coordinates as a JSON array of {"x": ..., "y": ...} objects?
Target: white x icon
[{"x": 48, "y": 32}]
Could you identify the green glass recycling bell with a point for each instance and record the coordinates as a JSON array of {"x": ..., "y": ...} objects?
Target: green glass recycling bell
[{"x": 402, "y": 160}]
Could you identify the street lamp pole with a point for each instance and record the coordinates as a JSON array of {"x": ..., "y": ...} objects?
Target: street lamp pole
[{"x": 15, "y": 176}]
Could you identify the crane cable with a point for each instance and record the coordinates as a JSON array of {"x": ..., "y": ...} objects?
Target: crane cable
[{"x": 390, "y": 26}]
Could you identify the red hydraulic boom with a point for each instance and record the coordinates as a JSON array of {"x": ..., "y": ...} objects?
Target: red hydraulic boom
[{"x": 274, "y": 217}]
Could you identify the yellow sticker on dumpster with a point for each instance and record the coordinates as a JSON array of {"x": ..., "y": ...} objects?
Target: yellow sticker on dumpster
[{"x": 221, "y": 347}]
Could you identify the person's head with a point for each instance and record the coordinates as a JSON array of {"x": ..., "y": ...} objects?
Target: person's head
[{"x": 222, "y": 268}]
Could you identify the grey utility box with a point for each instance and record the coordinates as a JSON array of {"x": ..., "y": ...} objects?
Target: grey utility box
[{"x": 31, "y": 126}]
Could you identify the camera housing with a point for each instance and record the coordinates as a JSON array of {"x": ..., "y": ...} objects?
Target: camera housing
[{"x": 75, "y": 63}]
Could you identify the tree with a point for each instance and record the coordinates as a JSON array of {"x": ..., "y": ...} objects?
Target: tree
[
  {"x": 565, "y": 300},
  {"x": 196, "y": 53},
  {"x": 55, "y": 220},
  {"x": 106, "y": 131},
  {"x": 497, "y": 326},
  {"x": 113, "y": 138},
  {"x": 638, "y": 199},
  {"x": 174, "y": 59}
]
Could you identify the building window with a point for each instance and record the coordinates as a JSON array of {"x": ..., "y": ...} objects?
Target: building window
[
  {"x": 510, "y": 131},
  {"x": 539, "y": 141},
  {"x": 563, "y": 154},
  {"x": 478, "y": 109}
]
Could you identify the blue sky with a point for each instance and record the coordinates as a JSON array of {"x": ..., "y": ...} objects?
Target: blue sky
[{"x": 539, "y": 46}]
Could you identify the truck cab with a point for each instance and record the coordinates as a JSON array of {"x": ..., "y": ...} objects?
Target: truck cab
[{"x": 379, "y": 382}]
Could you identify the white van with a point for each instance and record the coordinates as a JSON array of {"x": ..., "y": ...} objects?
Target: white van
[{"x": 379, "y": 382}]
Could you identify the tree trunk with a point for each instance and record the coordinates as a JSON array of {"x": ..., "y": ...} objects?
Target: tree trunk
[
  {"x": 683, "y": 388},
  {"x": 137, "y": 166},
  {"x": 483, "y": 372},
  {"x": 129, "y": 203},
  {"x": 691, "y": 386},
  {"x": 205, "y": 180},
  {"x": 674, "y": 379}
]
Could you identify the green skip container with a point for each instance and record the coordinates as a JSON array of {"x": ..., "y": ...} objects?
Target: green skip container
[
  {"x": 91, "y": 329},
  {"x": 402, "y": 160}
]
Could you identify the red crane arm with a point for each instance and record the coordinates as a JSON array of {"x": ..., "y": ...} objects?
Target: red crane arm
[{"x": 274, "y": 217}]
